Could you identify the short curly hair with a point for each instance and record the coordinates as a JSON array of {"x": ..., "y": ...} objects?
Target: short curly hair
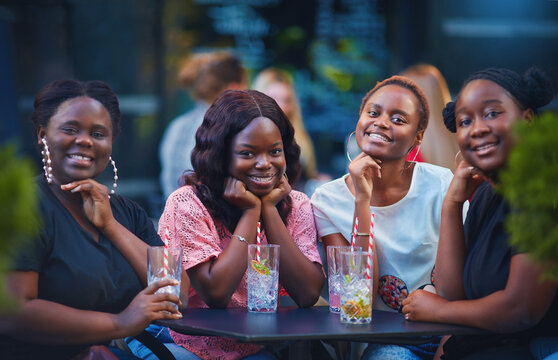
[{"x": 404, "y": 82}]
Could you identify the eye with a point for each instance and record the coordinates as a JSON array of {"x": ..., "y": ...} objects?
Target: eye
[
  {"x": 463, "y": 122},
  {"x": 492, "y": 114},
  {"x": 245, "y": 153},
  {"x": 98, "y": 134},
  {"x": 276, "y": 152},
  {"x": 69, "y": 130},
  {"x": 398, "y": 120},
  {"x": 373, "y": 113}
]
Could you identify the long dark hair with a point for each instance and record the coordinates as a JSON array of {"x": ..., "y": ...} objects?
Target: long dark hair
[{"x": 230, "y": 114}]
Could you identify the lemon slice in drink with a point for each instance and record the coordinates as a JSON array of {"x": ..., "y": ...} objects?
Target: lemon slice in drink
[{"x": 260, "y": 267}]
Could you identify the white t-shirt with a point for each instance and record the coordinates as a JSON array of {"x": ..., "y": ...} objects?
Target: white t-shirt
[{"x": 406, "y": 233}]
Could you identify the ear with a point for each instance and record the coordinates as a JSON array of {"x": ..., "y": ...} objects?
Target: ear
[
  {"x": 528, "y": 115},
  {"x": 418, "y": 137},
  {"x": 41, "y": 133}
]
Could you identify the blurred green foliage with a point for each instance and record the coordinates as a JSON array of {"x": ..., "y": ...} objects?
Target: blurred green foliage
[
  {"x": 18, "y": 211},
  {"x": 530, "y": 184}
]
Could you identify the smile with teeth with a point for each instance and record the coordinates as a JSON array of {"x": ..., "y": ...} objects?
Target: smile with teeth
[
  {"x": 378, "y": 137},
  {"x": 484, "y": 147},
  {"x": 80, "y": 157},
  {"x": 261, "y": 179}
]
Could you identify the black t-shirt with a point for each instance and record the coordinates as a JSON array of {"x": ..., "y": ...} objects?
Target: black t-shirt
[
  {"x": 487, "y": 262},
  {"x": 74, "y": 269}
]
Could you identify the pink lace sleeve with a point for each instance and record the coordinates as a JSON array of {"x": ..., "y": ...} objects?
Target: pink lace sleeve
[
  {"x": 302, "y": 228},
  {"x": 190, "y": 226}
]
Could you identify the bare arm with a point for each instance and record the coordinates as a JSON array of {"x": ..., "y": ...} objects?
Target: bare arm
[
  {"x": 48, "y": 322},
  {"x": 302, "y": 278},
  {"x": 217, "y": 279},
  {"x": 520, "y": 305},
  {"x": 450, "y": 257}
]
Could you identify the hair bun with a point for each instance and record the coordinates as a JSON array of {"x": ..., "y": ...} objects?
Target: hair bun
[
  {"x": 539, "y": 87},
  {"x": 449, "y": 116}
]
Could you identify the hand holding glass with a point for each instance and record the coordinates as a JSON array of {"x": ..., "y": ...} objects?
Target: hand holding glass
[{"x": 156, "y": 269}]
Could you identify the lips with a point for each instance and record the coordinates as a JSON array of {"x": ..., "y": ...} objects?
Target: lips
[{"x": 484, "y": 148}]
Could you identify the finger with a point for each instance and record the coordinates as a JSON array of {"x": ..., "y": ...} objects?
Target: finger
[
  {"x": 156, "y": 285},
  {"x": 83, "y": 188}
]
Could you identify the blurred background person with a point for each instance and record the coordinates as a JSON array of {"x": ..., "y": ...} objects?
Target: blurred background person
[
  {"x": 279, "y": 85},
  {"x": 438, "y": 145},
  {"x": 206, "y": 76}
]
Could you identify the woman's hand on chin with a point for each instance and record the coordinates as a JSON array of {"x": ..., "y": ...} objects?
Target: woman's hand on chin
[
  {"x": 96, "y": 204},
  {"x": 281, "y": 191},
  {"x": 237, "y": 194},
  {"x": 466, "y": 180},
  {"x": 362, "y": 169}
]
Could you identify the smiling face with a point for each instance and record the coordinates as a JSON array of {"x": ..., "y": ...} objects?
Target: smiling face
[
  {"x": 79, "y": 136},
  {"x": 485, "y": 114},
  {"x": 387, "y": 127},
  {"x": 257, "y": 156}
]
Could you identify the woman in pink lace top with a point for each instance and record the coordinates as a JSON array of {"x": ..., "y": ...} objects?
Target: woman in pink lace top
[{"x": 245, "y": 161}]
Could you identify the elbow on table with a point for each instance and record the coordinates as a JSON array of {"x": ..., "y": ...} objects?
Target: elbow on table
[
  {"x": 520, "y": 320},
  {"x": 217, "y": 299},
  {"x": 307, "y": 300}
]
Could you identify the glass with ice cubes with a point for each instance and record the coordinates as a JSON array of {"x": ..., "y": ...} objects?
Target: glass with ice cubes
[
  {"x": 263, "y": 277},
  {"x": 356, "y": 288},
  {"x": 334, "y": 274}
]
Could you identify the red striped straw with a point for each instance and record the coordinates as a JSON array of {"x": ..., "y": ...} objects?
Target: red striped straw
[
  {"x": 370, "y": 247},
  {"x": 166, "y": 252},
  {"x": 353, "y": 237},
  {"x": 258, "y": 241}
]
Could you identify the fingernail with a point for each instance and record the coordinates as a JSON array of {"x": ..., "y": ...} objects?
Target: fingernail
[{"x": 179, "y": 315}]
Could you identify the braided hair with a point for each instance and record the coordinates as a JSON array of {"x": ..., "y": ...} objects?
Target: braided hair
[{"x": 532, "y": 91}]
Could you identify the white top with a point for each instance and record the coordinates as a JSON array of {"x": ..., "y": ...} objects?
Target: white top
[
  {"x": 406, "y": 233},
  {"x": 176, "y": 147}
]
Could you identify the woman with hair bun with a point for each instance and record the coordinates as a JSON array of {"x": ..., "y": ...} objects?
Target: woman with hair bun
[
  {"x": 481, "y": 280},
  {"x": 245, "y": 161}
]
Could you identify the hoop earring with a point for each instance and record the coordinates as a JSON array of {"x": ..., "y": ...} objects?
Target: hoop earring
[
  {"x": 47, "y": 163},
  {"x": 114, "y": 185},
  {"x": 418, "y": 150},
  {"x": 455, "y": 158},
  {"x": 347, "y": 146}
]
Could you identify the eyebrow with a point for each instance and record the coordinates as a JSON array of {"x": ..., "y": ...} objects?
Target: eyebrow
[
  {"x": 252, "y": 146},
  {"x": 399, "y": 111},
  {"x": 485, "y": 102}
]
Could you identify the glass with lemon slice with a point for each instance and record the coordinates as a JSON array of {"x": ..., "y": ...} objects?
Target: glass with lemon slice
[
  {"x": 263, "y": 278},
  {"x": 356, "y": 289}
]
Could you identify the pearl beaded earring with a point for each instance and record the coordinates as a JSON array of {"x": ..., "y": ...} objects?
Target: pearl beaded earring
[
  {"x": 114, "y": 185},
  {"x": 46, "y": 161}
]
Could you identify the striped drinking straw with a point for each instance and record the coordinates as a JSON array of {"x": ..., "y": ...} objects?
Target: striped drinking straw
[
  {"x": 258, "y": 241},
  {"x": 370, "y": 247},
  {"x": 166, "y": 252},
  {"x": 353, "y": 237}
]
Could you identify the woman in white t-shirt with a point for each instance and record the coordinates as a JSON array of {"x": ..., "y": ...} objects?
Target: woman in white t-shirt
[{"x": 405, "y": 197}]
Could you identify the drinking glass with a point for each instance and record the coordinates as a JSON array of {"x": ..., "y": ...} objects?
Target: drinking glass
[{"x": 263, "y": 277}]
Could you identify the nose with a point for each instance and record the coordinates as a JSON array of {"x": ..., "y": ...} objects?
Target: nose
[
  {"x": 479, "y": 127},
  {"x": 382, "y": 122},
  {"x": 84, "y": 139},
  {"x": 262, "y": 162}
]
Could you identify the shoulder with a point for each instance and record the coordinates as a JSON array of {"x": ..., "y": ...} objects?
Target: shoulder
[
  {"x": 333, "y": 188},
  {"x": 434, "y": 175}
]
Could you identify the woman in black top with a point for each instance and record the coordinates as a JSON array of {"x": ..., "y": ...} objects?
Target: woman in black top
[
  {"x": 481, "y": 280},
  {"x": 82, "y": 280}
]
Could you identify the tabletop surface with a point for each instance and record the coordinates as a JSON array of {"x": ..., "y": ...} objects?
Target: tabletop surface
[{"x": 303, "y": 324}]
